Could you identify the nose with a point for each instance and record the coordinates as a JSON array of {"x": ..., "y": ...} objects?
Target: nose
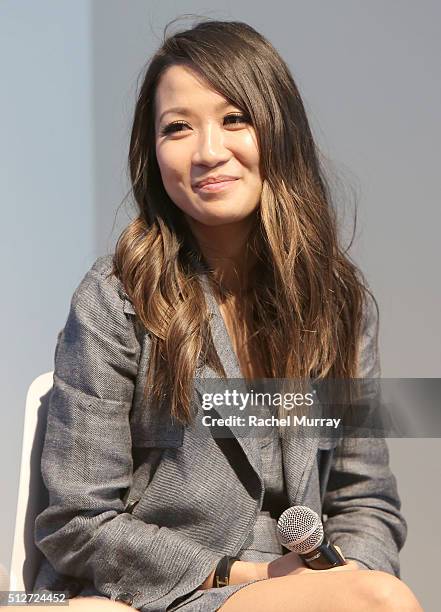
[{"x": 211, "y": 147}]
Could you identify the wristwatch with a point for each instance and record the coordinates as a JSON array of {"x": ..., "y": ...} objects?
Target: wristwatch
[{"x": 221, "y": 576}]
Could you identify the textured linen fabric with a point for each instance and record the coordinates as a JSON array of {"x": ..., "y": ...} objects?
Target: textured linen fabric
[
  {"x": 262, "y": 544},
  {"x": 144, "y": 507}
]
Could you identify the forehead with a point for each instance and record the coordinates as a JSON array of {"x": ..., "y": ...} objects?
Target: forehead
[{"x": 181, "y": 86}]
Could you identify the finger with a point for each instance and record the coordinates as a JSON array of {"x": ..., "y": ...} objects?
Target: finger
[{"x": 349, "y": 566}]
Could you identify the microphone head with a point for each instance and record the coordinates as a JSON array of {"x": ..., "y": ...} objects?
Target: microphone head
[{"x": 300, "y": 529}]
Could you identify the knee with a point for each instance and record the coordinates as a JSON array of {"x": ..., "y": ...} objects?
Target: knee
[{"x": 385, "y": 592}]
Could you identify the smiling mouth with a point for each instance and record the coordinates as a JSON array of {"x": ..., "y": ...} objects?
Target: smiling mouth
[{"x": 217, "y": 186}]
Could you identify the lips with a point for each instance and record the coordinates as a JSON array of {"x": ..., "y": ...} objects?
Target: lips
[{"x": 217, "y": 179}]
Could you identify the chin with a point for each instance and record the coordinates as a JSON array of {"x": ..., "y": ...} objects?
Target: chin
[
  {"x": 216, "y": 221},
  {"x": 221, "y": 216}
]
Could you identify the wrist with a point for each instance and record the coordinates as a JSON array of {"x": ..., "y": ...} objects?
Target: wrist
[{"x": 243, "y": 571}]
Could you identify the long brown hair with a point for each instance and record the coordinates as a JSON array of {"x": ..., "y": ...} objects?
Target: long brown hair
[{"x": 308, "y": 296}]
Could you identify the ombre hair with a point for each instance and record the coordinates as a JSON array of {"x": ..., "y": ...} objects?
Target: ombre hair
[{"x": 307, "y": 297}]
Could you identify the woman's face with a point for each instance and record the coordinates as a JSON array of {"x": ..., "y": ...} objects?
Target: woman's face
[{"x": 200, "y": 135}]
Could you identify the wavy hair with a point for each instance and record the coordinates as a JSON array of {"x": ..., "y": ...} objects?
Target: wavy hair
[{"x": 306, "y": 300}]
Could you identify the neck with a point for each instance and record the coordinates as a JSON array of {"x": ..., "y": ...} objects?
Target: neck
[{"x": 225, "y": 248}]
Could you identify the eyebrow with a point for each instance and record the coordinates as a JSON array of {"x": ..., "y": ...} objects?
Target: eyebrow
[{"x": 182, "y": 110}]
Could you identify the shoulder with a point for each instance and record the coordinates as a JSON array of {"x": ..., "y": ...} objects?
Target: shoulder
[
  {"x": 103, "y": 265},
  {"x": 369, "y": 362},
  {"x": 101, "y": 272},
  {"x": 100, "y": 289},
  {"x": 370, "y": 315}
]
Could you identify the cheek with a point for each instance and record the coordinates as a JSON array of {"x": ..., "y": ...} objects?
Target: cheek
[
  {"x": 172, "y": 168},
  {"x": 248, "y": 152}
]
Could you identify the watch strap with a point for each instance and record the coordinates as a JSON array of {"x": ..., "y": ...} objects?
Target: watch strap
[{"x": 221, "y": 576}]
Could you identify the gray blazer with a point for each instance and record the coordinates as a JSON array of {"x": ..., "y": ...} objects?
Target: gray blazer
[{"x": 143, "y": 508}]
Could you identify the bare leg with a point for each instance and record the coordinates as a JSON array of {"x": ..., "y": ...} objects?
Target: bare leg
[
  {"x": 358, "y": 591},
  {"x": 350, "y": 591}
]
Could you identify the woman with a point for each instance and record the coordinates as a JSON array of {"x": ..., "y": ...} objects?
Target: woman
[{"x": 231, "y": 269}]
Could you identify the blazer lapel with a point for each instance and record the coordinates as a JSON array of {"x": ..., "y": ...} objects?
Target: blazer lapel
[
  {"x": 299, "y": 449},
  {"x": 223, "y": 345}
]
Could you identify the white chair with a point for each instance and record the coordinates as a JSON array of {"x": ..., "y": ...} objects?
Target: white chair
[{"x": 32, "y": 494}]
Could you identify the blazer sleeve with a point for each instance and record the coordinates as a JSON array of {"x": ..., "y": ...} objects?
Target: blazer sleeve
[
  {"x": 361, "y": 500},
  {"x": 87, "y": 459}
]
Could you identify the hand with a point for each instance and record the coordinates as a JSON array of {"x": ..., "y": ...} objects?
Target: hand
[{"x": 292, "y": 564}]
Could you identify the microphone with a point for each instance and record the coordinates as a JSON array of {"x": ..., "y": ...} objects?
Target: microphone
[{"x": 301, "y": 530}]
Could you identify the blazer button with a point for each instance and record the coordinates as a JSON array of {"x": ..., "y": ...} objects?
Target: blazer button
[{"x": 126, "y": 597}]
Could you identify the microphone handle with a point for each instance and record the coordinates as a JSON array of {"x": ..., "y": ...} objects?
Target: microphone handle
[{"x": 323, "y": 557}]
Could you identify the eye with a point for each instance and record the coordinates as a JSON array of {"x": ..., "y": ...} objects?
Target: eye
[
  {"x": 241, "y": 118},
  {"x": 232, "y": 119},
  {"x": 173, "y": 127}
]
